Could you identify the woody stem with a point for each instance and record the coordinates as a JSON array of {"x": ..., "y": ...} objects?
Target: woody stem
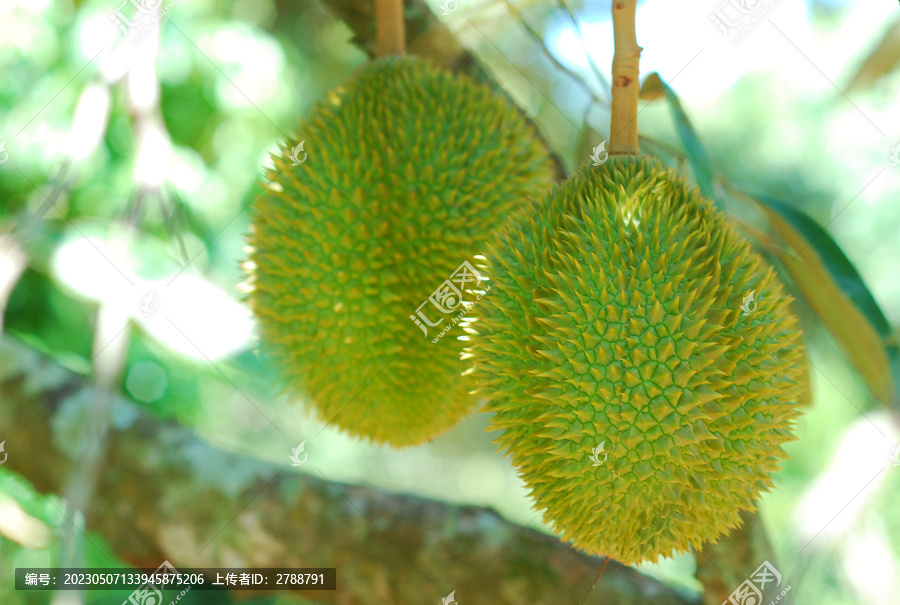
[
  {"x": 625, "y": 89},
  {"x": 390, "y": 29}
]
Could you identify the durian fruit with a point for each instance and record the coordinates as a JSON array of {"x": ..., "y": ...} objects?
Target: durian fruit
[
  {"x": 409, "y": 170},
  {"x": 641, "y": 406}
]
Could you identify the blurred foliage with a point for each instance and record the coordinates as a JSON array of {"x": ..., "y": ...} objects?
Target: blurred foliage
[{"x": 235, "y": 77}]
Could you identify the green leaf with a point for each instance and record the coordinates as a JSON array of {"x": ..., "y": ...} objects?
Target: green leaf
[
  {"x": 815, "y": 270},
  {"x": 696, "y": 153},
  {"x": 837, "y": 263},
  {"x": 652, "y": 88},
  {"x": 880, "y": 62}
]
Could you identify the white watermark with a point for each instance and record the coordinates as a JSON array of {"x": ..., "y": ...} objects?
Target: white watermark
[
  {"x": 750, "y": 592},
  {"x": 295, "y": 154},
  {"x": 3, "y": 454},
  {"x": 596, "y": 155},
  {"x": 895, "y": 155},
  {"x": 151, "y": 593},
  {"x": 448, "y": 6},
  {"x": 895, "y": 455},
  {"x": 595, "y": 454},
  {"x": 748, "y": 306},
  {"x": 147, "y": 14},
  {"x": 295, "y": 454},
  {"x": 735, "y": 18},
  {"x": 148, "y": 304},
  {"x": 450, "y": 599},
  {"x": 3, "y": 154},
  {"x": 448, "y": 298}
]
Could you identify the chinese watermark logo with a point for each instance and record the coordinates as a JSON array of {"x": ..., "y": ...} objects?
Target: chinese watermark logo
[
  {"x": 895, "y": 455},
  {"x": 595, "y": 454},
  {"x": 2, "y": 452},
  {"x": 295, "y": 154},
  {"x": 122, "y": 22},
  {"x": 735, "y": 18},
  {"x": 600, "y": 149},
  {"x": 3, "y": 154},
  {"x": 448, "y": 6},
  {"x": 895, "y": 155},
  {"x": 147, "y": 13},
  {"x": 148, "y": 304},
  {"x": 749, "y": 305},
  {"x": 750, "y": 592},
  {"x": 151, "y": 593},
  {"x": 450, "y": 599},
  {"x": 295, "y": 454},
  {"x": 448, "y": 298}
]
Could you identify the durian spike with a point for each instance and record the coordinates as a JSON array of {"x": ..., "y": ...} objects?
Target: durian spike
[
  {"x": 623, "y": 130},
  {"x": 390, "y": 28}
]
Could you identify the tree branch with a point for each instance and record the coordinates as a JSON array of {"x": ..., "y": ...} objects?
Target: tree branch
[
  {"x": 722, "y": 566},
  {"x": 164, "y": 494}
]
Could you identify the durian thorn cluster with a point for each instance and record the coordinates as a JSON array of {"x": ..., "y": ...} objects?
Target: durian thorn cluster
[
  {"x": 409, "y": 171},
  {"x": 615, "y": 316}
]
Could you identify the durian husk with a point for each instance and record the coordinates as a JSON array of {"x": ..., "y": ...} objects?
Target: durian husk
[
  {"x": 409, "y": 170},
  {"x": 615, "y": 317}
]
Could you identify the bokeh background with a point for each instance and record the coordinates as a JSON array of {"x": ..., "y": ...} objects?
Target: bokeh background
[{"x": 130, "y": 159}]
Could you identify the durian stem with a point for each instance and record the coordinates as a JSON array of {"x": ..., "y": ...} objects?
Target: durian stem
[
  {"x": 597, "y": 579},
  {"x": 390, "y": 28},
  {"x": 623, "y": 131}
]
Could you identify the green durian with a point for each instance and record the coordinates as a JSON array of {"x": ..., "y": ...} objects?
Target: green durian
[
  {"x": 409, "y": 170},
  {"x": 642, "y": 406}
]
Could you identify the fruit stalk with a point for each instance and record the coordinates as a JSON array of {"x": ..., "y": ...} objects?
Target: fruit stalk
[
  {"x": 390, "y": 29},
  {"x": 625, "y": 89}
]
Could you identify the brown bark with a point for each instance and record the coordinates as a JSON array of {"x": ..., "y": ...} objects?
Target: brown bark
[
  {"x": 721, "y": 567},
  {"x": 164, "y": 494}
]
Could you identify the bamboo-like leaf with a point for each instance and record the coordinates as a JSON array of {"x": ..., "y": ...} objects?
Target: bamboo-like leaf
[
  {"x": 839, "y": 266},
  {"x": 652, "y": 88},
  {"x": 696, "y": 153},
  {"x": 881, "y": 61},
  {"x": 852, "y": 329}
]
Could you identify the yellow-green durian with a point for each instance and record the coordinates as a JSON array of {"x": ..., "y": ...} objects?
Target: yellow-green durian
[
  {"x": 409, "y": 169},
  {"x": 643, "y": 407}
]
